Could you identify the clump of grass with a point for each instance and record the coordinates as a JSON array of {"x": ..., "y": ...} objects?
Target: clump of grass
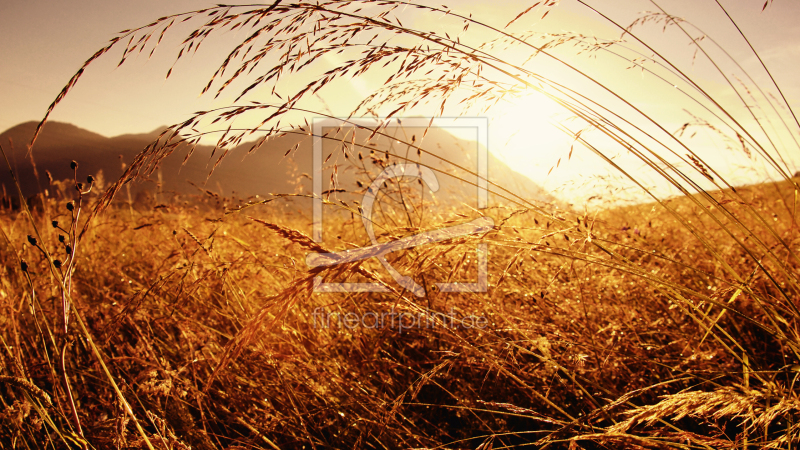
[{"x": 668, "y": 324}]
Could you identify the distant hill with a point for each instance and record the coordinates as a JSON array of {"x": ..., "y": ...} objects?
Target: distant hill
[{"x": 267, "y": 170}]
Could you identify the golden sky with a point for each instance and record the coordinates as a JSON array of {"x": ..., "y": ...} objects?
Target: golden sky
[{"x": 45, "y": 42}]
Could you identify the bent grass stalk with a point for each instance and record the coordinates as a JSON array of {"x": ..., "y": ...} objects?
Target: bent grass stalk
[{"x": 749, "y": 258}]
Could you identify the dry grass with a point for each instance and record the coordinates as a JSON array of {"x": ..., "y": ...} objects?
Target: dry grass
[
  {"x": 671, "y": 324},
  {"x": 206, "y": 321}
]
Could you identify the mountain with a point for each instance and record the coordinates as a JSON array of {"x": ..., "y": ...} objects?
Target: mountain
[{"x": 281, "y": 165}]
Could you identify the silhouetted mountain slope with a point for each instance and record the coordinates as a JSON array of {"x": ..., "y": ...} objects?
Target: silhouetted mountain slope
[{"x": 267, "y": 170}]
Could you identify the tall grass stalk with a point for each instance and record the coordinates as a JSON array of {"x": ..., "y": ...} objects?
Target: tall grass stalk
[{"x": 666, "y": 325}]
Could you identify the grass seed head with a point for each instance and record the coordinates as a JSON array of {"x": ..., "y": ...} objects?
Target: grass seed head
[{"x": 552, "y": 300}]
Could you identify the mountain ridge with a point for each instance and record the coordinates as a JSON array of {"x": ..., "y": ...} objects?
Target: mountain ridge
[{"x": 272, "y": 169}]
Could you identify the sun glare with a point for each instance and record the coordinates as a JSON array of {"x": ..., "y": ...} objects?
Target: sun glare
[{"x": 524, "y": 133}]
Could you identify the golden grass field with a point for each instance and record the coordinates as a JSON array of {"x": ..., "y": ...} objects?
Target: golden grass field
[
  {"x": 193, "y": 322},
  {"x": 609, "y": 330}
]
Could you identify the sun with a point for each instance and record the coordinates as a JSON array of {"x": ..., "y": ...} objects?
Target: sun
[{"x": 524, "y": 132}]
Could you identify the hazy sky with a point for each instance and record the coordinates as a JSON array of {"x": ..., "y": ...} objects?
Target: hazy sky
[{"x": 45, "y": 42}]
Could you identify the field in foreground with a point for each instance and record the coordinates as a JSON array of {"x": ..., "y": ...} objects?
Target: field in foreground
[{"x": 610, "y": 330}]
